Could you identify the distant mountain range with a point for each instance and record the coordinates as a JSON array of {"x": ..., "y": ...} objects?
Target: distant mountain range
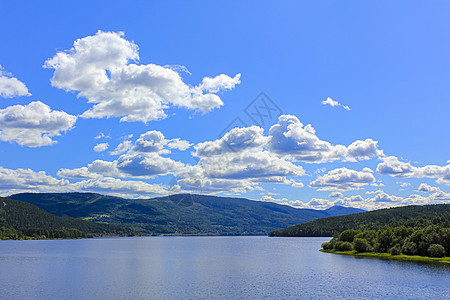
[
  {"x": 396, "y": 216},
  {"x": 183, "y": 214}
]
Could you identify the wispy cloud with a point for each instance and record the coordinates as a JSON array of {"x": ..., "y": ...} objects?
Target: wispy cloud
[
  {"x": 11, "y": 87},
  {"x": 334, "y": 103}
]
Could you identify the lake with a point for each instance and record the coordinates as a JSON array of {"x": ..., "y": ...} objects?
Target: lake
[{"x": 207, "y": 268}]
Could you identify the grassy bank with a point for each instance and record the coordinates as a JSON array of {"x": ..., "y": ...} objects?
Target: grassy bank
[{"x": 391, "y": 257}]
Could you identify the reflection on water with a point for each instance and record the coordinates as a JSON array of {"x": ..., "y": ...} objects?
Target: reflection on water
[{"x": 207, "y": 268}]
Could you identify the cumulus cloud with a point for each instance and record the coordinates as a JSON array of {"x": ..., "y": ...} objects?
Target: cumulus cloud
[
  {"x": 122, "y": 148},
  {"x": 334, "y": 103},
  {"x": 335, "y": 195},
  {"x": 119, "y": 187},
  {"x": 33, "y": 125},
  {"x": 289, "y": 137},
  {"x": 27, "y": 180},
  {"x": 103, "y": 68},
  {"x": 342, "y": 179},
  {"x": 392, "y": 166},
  {"x": 11, "y": 87},
  {"x": 101, "y": 147},
  {"x": 236, "y": 140},
  {"x": 155, "y": 141},
  {"x": 377, "y": 200},
  {"x": 142, "y": 159},
  {"x": 426, "y": 188},
  {"x": 21, "y": 180},
  {"x": 314, "y": 203}
]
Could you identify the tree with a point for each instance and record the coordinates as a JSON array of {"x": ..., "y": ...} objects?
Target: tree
[
  {"x": 361, "y": 245},
  {"x": 343, "y": 246},
  {"x": 348, "y": 235},
  {"x": 436, "y": 250}
]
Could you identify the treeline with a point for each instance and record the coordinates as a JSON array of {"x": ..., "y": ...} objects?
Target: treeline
[
  {"x": 408, "y": 216},
  {"x": 432, "y": 240},
  {"x": 35, "y": 233},
  {"x": 21, "y": 220}
]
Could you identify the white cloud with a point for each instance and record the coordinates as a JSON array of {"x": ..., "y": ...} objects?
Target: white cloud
[
  {"x": 334, "y": 103},
  {"x": 154, "y": 141},
  {"x": 393, "y": 167},
  {"x": 267, "y": 198},
  {"x": 179, "y": 144},
  {"x": 101, "y": 135},
  {"x": 101, "y": 147},
  {"x": 147, "y": 165},
  {"x": 26, "y": 180},
  {"x": 342, "y": 179},
  {"x": 290, "y": 138},
  {"x": 364, "y": 150},
  {"x": 22, "y": 180},
  {"x": 428, "y": 188},
  {"x": 122, "y": 148},
  {"x": 314, "y": 203},
  {"x": 33, "y": 125},
  {"x": 236, "y": 140},
  {"x": 119, "y": 187},
  {"x": 296, "y": 184},
  {"x": 248, "y": 164},
  {"x": 335, "y": 195},
  {"x": 11, "y": 87},
  {"x": 99, "y": 67}
]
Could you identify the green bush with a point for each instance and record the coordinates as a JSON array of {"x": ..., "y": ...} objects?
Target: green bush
[
  {"x": 436, "y": 250},
  {"x": 348, "y": 235},
  {"x": 395, "y": 250},
  {"x": 343, "y": 246},
  {"x": 327, "y": 246},
  {"x": 409, "y": 248},
  {"x": 361, "y": 245}
]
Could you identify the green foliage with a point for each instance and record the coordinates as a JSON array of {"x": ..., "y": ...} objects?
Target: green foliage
[
  {"x": 327, "y": 246},
  {"x": 409, "y": 248},
  {"x": 179, "y": 214},
  {"x": 436, "y": 250},
  {"x": 395, "y": 250},
  {"x": 360, "y": 245},
  {"x": 348, "y": 235},
  {"x": 343, "y": 246},
  {"x": 21, "y": 220},
  {"x": 431, "y": 241},
  {"x": 402, "y": 217}
]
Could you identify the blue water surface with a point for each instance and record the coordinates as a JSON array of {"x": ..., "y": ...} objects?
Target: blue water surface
[{"x": 207, "y": 268}]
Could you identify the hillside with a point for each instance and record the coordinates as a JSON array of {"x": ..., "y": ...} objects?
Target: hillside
[
  {"x": 179, "y": 214},
  {"x": 17, "y": 216},
  {"x": 367, "y": 220}
]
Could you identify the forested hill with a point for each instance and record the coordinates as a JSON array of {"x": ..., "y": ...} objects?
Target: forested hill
[
  {"x": 20, "y": 219},
  {"x": 407, "y": 215},
  {"x": 180, "y": 214}
]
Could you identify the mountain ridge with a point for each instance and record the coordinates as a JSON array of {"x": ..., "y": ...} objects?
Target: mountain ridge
[{"x": 179, "y": 213}]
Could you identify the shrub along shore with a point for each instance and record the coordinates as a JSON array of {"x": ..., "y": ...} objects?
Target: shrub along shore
[
  {"x": 431, "y": 243},
  {"x": 391, "y": 257}
]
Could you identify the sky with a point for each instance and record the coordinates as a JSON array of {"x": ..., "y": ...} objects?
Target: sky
[{"x": 304, "y": 103}]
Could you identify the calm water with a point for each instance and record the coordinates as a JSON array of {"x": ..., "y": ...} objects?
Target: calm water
[{"x": 206, "y": 268}]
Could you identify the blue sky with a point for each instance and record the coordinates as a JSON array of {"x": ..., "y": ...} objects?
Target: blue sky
[{"x": 360, "y": 90}]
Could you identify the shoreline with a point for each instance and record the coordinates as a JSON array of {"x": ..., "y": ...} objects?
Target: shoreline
[{"x": 387, "y": 256}]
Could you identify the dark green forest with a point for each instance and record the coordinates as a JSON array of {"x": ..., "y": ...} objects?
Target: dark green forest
[
  {"x": 419, "y": 236},
  {"x": 408, "y": 216},
  {"x": 21, "y": 220}
]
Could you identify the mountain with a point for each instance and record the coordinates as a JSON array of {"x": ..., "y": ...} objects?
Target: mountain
[
  {"x": 179, "y": 214},
  {"x": 17, "y": 216},
  {"x": 376, "y": 219}
]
